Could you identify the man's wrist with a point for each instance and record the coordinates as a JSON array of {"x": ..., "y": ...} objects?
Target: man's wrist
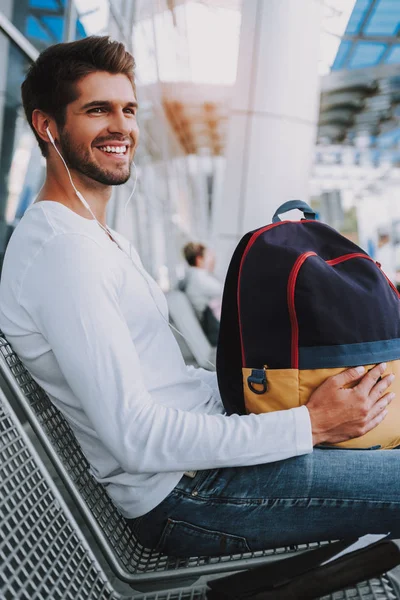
[{"x": 318, "y": 436}]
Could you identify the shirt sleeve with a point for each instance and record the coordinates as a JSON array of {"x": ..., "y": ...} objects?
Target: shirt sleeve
[
  {"x": 209, "y": 377},
  {"x": 71, "y": 291}
]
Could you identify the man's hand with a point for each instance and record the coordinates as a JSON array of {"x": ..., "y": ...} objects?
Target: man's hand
[{"x": 338, "y": 414}]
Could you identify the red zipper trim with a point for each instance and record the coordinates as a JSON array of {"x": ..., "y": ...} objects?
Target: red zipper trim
[
  {"x": 250, "y": 243},
  {"x": 336, "y": 261},
  {"x": 291, "y": 291},
  {"x": 292, "y": 309},
  {"x": 344, "y": 257}
]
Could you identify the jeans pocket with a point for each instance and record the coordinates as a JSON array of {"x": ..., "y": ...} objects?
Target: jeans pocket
[{"x": 183, "y": 539}]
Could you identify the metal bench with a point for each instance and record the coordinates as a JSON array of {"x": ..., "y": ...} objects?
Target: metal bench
[
  {"x": 43, "y": 553},
  {"x": 128, "y": 559}
]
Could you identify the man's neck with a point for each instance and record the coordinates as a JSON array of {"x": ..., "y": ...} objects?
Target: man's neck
[{"x": 57, "y": 187}]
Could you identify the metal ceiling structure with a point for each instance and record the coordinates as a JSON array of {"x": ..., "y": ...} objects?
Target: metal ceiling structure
[
  {"x": 360, "y": 102},
  {"x": 198, "y": 113},
  {"x": 360, "y": 97}
]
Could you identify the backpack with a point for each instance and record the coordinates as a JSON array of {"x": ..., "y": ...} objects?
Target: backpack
[{"x": 301, "y": 303}]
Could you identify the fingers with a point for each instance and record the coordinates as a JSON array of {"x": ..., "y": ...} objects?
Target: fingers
[
  {"x": 369, "y": 380},
  {"x": 381, "y": 405},
  {"x": 377, "y": 413},
  {"x": 348, "y": 376},
  {"x": 380, "y": 387}
]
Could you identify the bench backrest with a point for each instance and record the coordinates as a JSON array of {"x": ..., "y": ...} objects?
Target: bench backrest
[{"x": 186, "y": 321}]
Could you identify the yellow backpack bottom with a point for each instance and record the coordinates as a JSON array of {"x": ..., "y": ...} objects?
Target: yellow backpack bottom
[{"x": 290, "y": 388}]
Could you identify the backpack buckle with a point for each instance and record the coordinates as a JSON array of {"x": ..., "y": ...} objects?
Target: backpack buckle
[{"x": 257, "y": 377}]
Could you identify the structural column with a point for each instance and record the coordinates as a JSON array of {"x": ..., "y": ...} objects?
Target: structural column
[{"x": 273, "y": 117}]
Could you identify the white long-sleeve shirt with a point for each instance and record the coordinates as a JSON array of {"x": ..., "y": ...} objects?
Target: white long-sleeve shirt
[{"x": 91, "y": 326}]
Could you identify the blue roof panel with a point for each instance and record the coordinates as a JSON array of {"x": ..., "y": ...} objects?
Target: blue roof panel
[
  {"x": 357, "y": 16},
  {"x": 366, "y": 54},
  {"x": 393, "y": 56},
  {"x": 341, "y": 55},
  {"x": 55, "y": 25},
  {"x": 384, "y": 19},
  {"x": 48, "y": 4},
  {"x": 34, "y": 29}
]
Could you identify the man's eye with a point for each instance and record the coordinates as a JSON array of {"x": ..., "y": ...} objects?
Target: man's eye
[
  {"x": 130, "y": 111},
  {"x": 96, "y": 110}
]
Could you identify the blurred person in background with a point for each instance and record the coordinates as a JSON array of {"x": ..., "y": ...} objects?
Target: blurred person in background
[{"x": 203, "y": 289}]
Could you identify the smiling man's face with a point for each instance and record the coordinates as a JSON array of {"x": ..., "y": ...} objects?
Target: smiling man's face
[{"x": 100, "y": 134}]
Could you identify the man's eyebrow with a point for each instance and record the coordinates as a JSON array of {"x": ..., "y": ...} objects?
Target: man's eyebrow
[{"x": 107, "y": 104}]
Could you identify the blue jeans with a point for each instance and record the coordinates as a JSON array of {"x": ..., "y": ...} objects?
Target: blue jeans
[{"x": 329, "y": 494}]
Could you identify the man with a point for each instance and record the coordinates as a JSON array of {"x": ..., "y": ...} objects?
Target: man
[
  {"x": 92, "y": 328},
  {"x": 203, "y": 290}
]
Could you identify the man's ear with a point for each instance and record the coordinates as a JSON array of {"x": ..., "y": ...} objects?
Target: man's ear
[{"x": 41, "y": 122}]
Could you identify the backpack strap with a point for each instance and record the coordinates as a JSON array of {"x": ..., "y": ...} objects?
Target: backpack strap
[{"x": 291, "y": 205}]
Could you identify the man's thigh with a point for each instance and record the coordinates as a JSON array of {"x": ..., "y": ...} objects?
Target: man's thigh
[{"x": 328, "y": 494}]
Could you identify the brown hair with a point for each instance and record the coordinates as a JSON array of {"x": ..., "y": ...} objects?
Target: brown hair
[
  {"x": 50, "y": 81},
  {"x": 192, "y": 251}
]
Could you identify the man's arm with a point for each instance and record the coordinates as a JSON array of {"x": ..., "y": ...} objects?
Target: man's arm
[
  {"x": 73, "y": 297},
  {"x": 209, "y": 377}
]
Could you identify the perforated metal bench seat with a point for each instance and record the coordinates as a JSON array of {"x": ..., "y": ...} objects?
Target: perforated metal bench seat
[
  {"x": 43, "y": 554},
  {"x": 376, "y": 589},
  {"x": 128, "y": 559}
]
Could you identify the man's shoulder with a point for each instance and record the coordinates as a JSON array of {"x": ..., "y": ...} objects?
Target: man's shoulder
[{"x": 41, "y": 232}]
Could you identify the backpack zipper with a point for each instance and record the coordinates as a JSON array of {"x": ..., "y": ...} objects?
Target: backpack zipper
[
  {"x": 291, "y": 291},
  {"x": 250, "y": 243},
  {"x": 292, "y": 309}
]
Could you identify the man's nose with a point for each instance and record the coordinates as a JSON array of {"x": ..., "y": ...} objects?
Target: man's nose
[{"x": 121, "y": 123}]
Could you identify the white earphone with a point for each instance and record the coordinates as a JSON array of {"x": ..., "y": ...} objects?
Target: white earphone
[{"x": 106, "y": 230}]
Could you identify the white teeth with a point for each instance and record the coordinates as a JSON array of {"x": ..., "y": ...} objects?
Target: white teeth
[{"x": 113, "y": 149}]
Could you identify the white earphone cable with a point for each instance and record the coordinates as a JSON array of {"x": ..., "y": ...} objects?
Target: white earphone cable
[
  {"x": 106, "y": 230},
  {"x": 133, "y": 190}
]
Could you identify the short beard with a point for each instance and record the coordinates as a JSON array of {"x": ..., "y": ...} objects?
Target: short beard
[{"x": 78, "y": 158}]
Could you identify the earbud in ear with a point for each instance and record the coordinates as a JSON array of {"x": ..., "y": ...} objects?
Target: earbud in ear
[{"x": 50, "y": 136}]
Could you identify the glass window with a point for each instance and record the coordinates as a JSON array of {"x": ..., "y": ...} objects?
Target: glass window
[
  {"x": 41, "y": 21},
  {"x": 384, "y": 19},
  {"x": 366, "y": 54},
  {"x": 357, "y": 16},
  {"x": 21, "y": 164},
  {"x": 393, "y": 56},
  {"x": 341, "y": 56}
]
